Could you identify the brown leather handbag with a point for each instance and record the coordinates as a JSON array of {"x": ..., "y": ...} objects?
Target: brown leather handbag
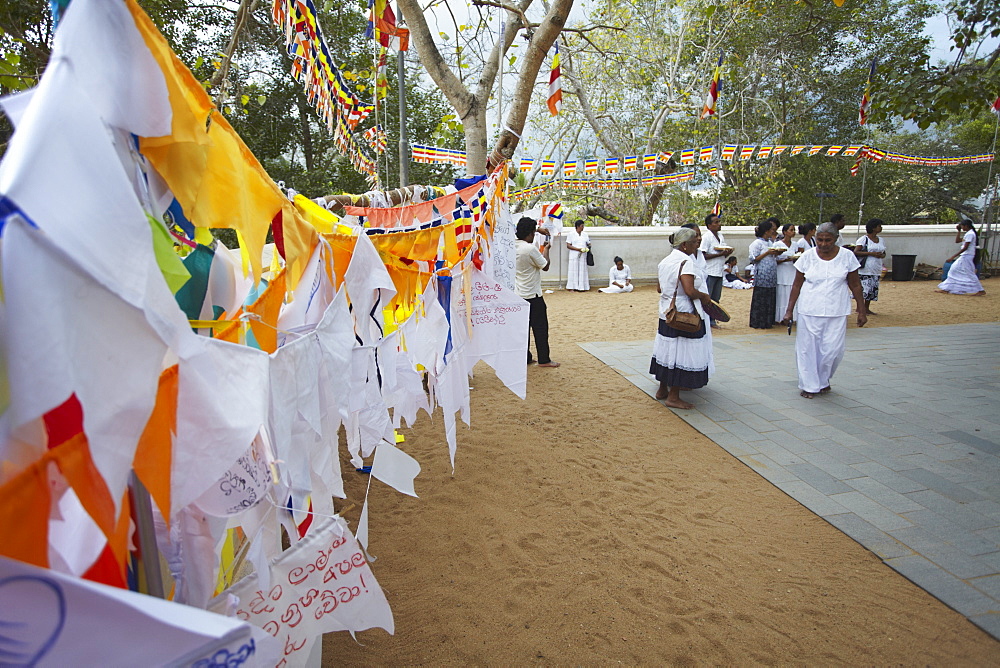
[{"x": 679, "y": 320}]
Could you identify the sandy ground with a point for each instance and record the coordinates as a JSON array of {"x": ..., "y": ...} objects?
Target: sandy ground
[{"x": 590, "y": 525}]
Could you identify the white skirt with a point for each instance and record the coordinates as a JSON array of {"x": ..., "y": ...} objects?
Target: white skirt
[
  {"x": 781, "y": 301},
  {"x": 614, "y": 289},
  {"x": 686, "y": 362},
  {"x": 576, "y": 275},
  {"x": 820, "y": 342},
  {"x": 962, "y": 278}
]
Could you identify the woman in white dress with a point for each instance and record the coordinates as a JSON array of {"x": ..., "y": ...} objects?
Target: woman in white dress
[
  {"x": 825, "y": 279},
  {"x": 619, "y": 278},
  {"x": 870, "y": 251},
  {"x": 963, "y": 279},
  {"x": 578, "y": 243},
  {"x": 808, "y": 240},
  {"x": 682, "y": 360},
  {"x": 786, "y": 272}
]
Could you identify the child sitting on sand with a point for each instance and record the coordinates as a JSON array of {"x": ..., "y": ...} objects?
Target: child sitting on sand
[{"x": 732, "y": 278}]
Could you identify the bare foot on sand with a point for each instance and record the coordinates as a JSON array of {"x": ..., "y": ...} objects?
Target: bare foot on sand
[{"x": 807, "y": 395}]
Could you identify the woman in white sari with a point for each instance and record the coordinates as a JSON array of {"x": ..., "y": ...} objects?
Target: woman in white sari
[
  {"x": 578, "y": 243},
  {"x": 963, "y": 279},
  {"x": 682, "y": 360},
  {"x": 619, "y": 278}
]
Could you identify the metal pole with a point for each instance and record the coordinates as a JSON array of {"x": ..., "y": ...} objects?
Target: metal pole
[
  {"x": 147, "y": 537},
  {"x": 820, "y": 222},
  {"x": 988, "y": 214},
  {"x": 404, "y": 146}
]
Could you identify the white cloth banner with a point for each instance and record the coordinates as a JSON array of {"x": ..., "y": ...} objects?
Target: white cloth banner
[
  {"x": 499, "y": 330},
  {"x": 50, "y": 619},
  {"x": 321, "y": 585}
]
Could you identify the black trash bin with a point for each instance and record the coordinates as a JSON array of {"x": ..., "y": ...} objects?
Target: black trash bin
[{"x": 902, "y": 267}]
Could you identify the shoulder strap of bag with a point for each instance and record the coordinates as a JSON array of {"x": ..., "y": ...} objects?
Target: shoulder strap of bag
[{"x": 678, "y": 284}]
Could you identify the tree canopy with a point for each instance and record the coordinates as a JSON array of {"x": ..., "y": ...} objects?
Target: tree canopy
[{"x": 635, "y": 73}]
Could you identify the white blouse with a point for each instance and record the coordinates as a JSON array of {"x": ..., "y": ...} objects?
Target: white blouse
[
  {"x": 969, "y": 238},
  {"x": 824, "y": 291},
  {"x": 786, "y": 270},
  {"x": 667, "y": 271},
  {"x": 577, "y": 241},
  {"x": 873, "y": 265},
  {"x": 621, "y": 276}
]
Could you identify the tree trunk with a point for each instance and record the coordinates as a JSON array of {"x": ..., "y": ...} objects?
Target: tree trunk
[
  {"x": 307, "y": 147},
  {"x": 474, "y": 126}
]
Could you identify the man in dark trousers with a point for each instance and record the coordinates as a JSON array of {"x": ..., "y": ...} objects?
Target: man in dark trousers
[{"x": 528, "y": 281}]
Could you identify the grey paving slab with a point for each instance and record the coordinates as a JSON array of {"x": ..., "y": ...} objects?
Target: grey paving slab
[{"x": 881, "y": 458}]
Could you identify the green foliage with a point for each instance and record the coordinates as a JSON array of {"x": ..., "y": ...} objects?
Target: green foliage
[
  {"x": 930, "y": 92},
  {"x": 262, "y": 101}
]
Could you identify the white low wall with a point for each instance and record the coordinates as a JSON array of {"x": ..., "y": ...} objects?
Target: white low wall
[{"x": 642, "y": 248}]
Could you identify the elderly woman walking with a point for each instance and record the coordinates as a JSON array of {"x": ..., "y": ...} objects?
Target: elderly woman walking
[
  {"x": 825, "y": 278},
  {"x": 682, "y": 360}
]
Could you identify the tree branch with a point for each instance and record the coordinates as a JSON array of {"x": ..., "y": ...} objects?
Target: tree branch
[
  {"x": 458, "y": 95},
  {"x": 538, "y": 46}
]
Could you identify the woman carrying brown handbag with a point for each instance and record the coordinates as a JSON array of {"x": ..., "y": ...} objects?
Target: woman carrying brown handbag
[{"x": 682, "y": 360}]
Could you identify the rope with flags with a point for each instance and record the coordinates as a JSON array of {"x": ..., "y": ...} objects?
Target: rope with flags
[{"x": 325, "y": 86}]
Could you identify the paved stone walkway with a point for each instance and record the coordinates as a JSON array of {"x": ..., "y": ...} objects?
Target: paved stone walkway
[{"x": 903, "y": 456}]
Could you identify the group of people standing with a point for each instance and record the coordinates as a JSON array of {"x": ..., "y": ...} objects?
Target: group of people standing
[
  {"x": 775, "y": 261},
  {"x": 816, "y": 290},
  {"x": 809, "y": 281}
]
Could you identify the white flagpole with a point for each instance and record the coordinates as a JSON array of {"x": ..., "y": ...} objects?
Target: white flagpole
[{"x": 991, "y": 193}]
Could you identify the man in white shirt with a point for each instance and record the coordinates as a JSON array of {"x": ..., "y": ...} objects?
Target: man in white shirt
[
  {"x": 841, "y": 222},
  {"x": 715, "y": 261},
  {"x": 529, "y": 266}
]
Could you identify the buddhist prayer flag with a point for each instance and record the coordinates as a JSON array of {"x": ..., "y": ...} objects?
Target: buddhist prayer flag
[
  {"x": 728, "y": 151},
  {"x": 611, "y": 165},
  {"x": 995, "y": 107},
  {"x": 798, "y": 149},
  {"x": 833, "y": 150},
  {"x": 717, "y": 209},
  {"x": 687, "y": 156},
  {"x": 857, "y": 165},
  {"x": 813, "y": 150},
  {"x": 527, "y": 164},
  {"x": 664, "y": 157},
  {"x": 866, "y": 98},
  {"x": 764, "y": 152},
  {"x": 746, "y": 152},
  {"x": 555, "y": 84},
  {"x": 851, "y": 151},
  {"x": 630, "y": 163},
  {"x": 548, "y": 167},
  {"x": 713, "y": 92},
  {"x": 590, "y": 166},
  {"x": 706, "y": 153},
  {"x": 649, "y": 161},
  {"x": 386, "y": 32},
  {"x": 569, "y": 168},
  {"x": 778, "y": 150}
]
